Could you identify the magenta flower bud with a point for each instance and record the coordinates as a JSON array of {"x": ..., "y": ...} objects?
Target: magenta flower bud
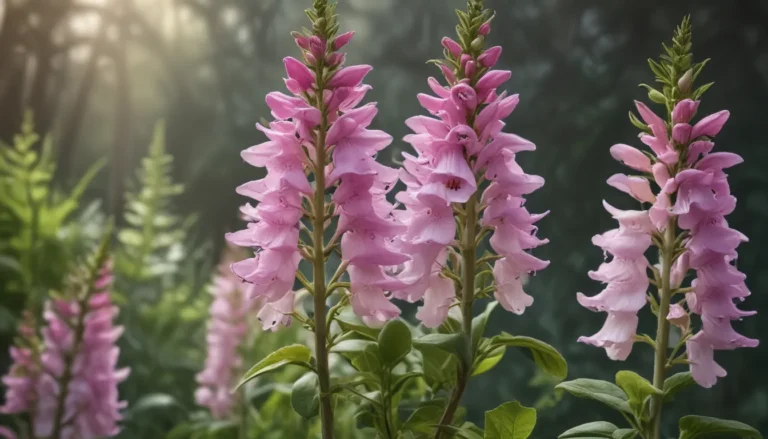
[
  {"x": 349, "y": 76},
  {"x": 342, "y": 40},
  {"x": 470, "y": 69},
  {"x": 301, "y": 40},
  {"x": 334, "y": 59},
  {"x": 453, "y": 47},
  {"x": 684, "y": 111},
  {"x": 490, "y": 57},
  {"x": 317, "y": 47},
  {"x": 448, "y": 73},
  {"x": 299, "y": 72},
  {"x": 484, "y": 28}
]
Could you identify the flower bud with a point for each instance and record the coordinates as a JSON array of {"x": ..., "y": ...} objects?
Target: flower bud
[
  {"x": 301, "y": 40},
  {"x": 686, "y": 81},
  {"x": 657, "y": 96},
  {"x": 484, "y": 28},
  {"x": 477, "y": 44},
  {"x": 469, "y": 69},
  {"x": 342, "y": 40}
]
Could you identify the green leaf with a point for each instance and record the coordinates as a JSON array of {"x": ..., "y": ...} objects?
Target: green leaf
[
  {"x": 293, "y": 354},
  {"x": 350, "y": 323},
  {"x": 692, "y": 427},
  {"x": 624, "y": 433},
  {"x": 509, "y": 421},
  {"x": 490, "y": 361},
  {"x": 352, "y": 346},
  {"x": 676, "y": 383},
  {"x": 636, "y": 388},
  {"x": 479, "y": 323},
  {"x": 591, "y": 429},
  {"x": 305, "y": 396},
  {"x": 394, "y": 342},
  {"x": 454, "y": 344},
  {"x": 544, "y": 355},
  {"x": 423, "y": 419},
  {"x": 608, "y": 393}
]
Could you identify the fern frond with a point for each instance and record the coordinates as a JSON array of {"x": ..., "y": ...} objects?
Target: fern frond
[{"x": 153, "y": 236}]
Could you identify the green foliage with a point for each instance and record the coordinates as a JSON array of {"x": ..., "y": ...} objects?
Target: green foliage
[
  {"x": 509, "y": 421},
  {"x": 676, "y": 383},
  {"x": 295, "y": 354},
  {"x": 305, "y": 395},
  {"x": 607, "y": 393},
  {"x": 394, "y": 342},
  {"x": 638, "y": 391},
  {"x": 693, "y": 427},
  {"x": 590, "y": 430},
  {"x": 544, "y": 355},
  {"x": 33, "y": 212},
  {"x": 152, "y": 239}
]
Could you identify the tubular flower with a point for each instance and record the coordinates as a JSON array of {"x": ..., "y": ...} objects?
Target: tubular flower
[
  {"x": 70, "y": 388},
  {"x": 366, "y": 224},
  {"x": 24, "y": 375},
  {"x": 693, "y": 195},
  {"x": 228, "y": 324},
  {"x": 458, "y": 148}
]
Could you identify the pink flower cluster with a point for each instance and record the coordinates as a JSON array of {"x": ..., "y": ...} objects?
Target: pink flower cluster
[
  {"x": 696, "y": 195},
  {"x": 79, "y": 357},
  {"x": 365, "y": 221},
  {"x": 21, "y": 380},
  {"x": 461, "y": 144},
  {"x": 228, "y": 325}
]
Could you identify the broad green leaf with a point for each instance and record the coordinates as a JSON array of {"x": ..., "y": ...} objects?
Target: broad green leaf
[
  {"x": 544, "y": 355},
  {"x": 394, "y": 342},
  {"x": 350, "y": 323},
  {"x": 439, "y": 366},
  {"x": 591, "y": 429},
  {"x": 509, "y": 421},
  {"x": 692, "y": 427},
  {"x": 367, "y": 360},
  {"x": 608, "y": 393},
  {"x": 352, "y": 346},
  {"x": 676, "y": 383},
  {"x": 305, "y": 395},
  {"x": 490, "y": 361},
  {"x": 480, "y": 322},
  {"x": 293, "y": 354},
  {"x": 424, "y": 418},
  {"x": 624, "y": 433},
  {"x": 636, "y": 388},
  {"x": 454, "y": 344}
]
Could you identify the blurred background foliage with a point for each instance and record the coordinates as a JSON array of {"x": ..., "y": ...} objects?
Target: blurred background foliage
[{"x": 97, "y": 75}]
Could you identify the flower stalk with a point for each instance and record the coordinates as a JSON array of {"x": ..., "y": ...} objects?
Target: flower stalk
[{"x": 318, "y": 267}]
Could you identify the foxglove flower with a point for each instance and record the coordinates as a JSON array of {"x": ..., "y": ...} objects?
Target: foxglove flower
[
  {"x": 77, "y": 365},
  {"x": 323, "y": 110},
  {"x": 693, "y": 195},
  {"x": 23, "y": 377},
  {"x": 457, "y": 148},
  {"x": 231, "y": 315}
]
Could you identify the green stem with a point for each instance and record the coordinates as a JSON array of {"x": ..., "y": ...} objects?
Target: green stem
[
  {"x": 318, "y": 227},
  {"x": 469, "y": 263},
  {"x": 243, "y": 432},
  {"x": 662, "y": 330}
]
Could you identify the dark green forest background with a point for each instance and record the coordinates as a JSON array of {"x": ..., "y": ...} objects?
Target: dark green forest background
[{"x": 98, "y": 74}]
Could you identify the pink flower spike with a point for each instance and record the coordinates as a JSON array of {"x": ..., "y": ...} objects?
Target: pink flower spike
[
  {"x": 349, "y": 76},
  {"x": 299, "y": 72},
  {"x": 711, "y": 125},
  {"x": 342, "y": 40},
  {"x": 638, "y": 187},
  {"x": 453, "y": 47},
  {"x": 631, "y": 157},
  {"x": 317, "y": 47},
  {"x": 490, "y": 57}
]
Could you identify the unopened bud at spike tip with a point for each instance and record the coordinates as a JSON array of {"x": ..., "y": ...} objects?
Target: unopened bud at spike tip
[{"x": 686, "y": 81}]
